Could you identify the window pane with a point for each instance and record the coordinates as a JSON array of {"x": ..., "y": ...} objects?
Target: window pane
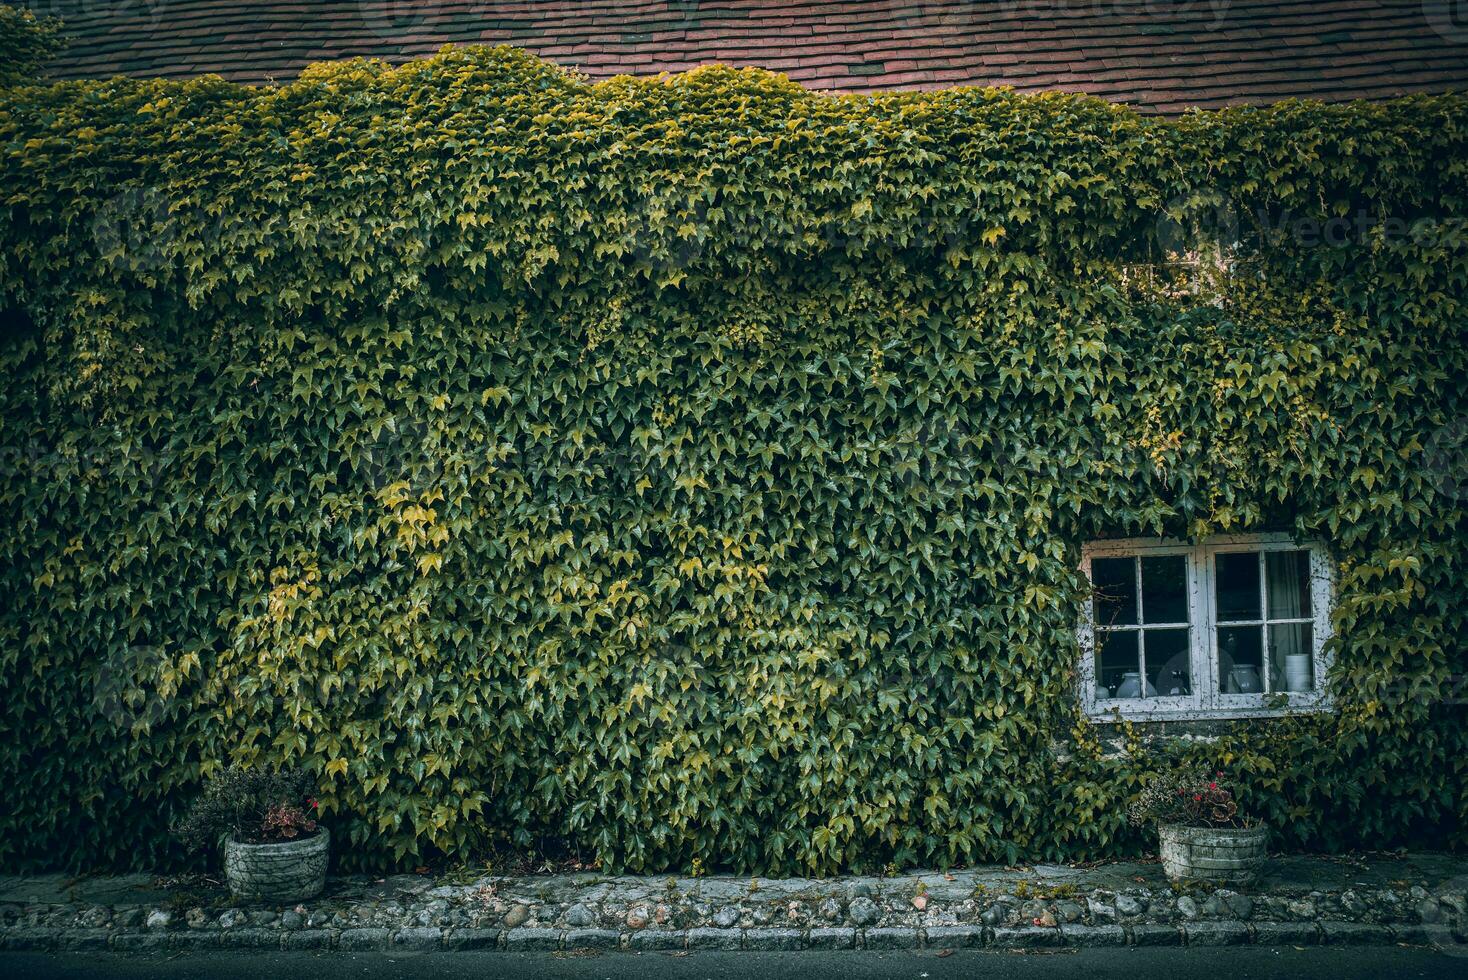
[
  {"x": 1117, "y": 664},
  {"x": 1287, "y": 582},
  {"x": 1167, "y": 661},
  {"x": 1114, "y": 581},
  {"x": 1241, "y": 659},
  {"x": 1238, "y": 585},
  {"x": 1165, "y": 590},
  {"x": 1290, "y": 657}
]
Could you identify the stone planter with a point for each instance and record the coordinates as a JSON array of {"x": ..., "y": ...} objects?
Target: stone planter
[
  {"x": 290, "y": 871},
  {"x": 1216, "y": 855}
]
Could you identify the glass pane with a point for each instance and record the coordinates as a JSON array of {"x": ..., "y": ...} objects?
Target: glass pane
[
  {"x": 1167, "y": 661},
  {"x": 1241, "y": 659},
  {"x": 1114, "y": 581},
  {"x": 1117, "y": 664},
  {"x": 1238, "y": 585},
  {"x": 1291, "y": 667},
  {"x": 1287, "y": 582},
  {"x": 1165, "y": 589}
]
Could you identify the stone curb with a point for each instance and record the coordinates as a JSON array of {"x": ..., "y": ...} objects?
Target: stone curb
[{"x": 426, "y": 939}]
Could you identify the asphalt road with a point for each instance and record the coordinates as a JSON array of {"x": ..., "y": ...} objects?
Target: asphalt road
[{"x": 1237, "y": 963}]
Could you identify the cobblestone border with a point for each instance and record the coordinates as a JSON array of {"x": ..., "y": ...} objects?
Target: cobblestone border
[
  {"x": 1013, "y": 909},
  {"x": 432, "y": 939}
]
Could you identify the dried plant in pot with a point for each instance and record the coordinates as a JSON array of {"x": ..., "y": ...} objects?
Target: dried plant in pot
[
  {"x": 274, "y": 848},
  {"x": 1202, "y": 835}
]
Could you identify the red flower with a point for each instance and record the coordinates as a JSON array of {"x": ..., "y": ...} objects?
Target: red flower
[
  {"x": 1213, "y": 786},
  {"x": 1198, "y": 797}
]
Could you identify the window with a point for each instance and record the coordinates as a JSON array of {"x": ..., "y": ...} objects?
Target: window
[{"x": 1231, "y": 627}]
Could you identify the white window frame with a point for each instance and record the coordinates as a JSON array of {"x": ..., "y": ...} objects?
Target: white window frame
[{"x": 1208, "y": 699}]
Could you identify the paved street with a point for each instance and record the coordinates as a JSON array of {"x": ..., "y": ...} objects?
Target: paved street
[{"x": 1375, "y": 963}]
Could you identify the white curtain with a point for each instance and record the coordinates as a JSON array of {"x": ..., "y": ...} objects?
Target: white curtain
[{"x": 1287, "y": 584}]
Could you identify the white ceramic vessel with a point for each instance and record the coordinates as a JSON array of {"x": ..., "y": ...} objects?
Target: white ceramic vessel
[
  {"x": 1131, "y": 686},
  {"x": 1297, "y": 672},
  {"x": 1245, "y": 679}
]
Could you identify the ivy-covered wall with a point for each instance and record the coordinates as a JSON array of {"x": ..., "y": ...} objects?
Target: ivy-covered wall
[{"x": 698, "y": 468}]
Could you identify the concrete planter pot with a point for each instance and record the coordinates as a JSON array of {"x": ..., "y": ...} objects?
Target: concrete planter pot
[
  {"x": 289, "y": 871},
  {"x": 1215, "y": 855}
]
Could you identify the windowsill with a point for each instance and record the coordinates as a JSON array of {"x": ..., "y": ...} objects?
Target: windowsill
[{"x": 1115, "y": 713}]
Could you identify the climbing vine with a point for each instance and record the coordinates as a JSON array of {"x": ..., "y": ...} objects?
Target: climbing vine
[{"x": 696, "y": 469}]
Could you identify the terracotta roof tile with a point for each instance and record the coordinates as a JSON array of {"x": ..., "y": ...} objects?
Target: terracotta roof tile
[{"x": 1162, "y": 55}]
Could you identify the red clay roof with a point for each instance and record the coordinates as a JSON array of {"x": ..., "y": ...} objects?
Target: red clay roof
[{"x": 1163, "y": 55}]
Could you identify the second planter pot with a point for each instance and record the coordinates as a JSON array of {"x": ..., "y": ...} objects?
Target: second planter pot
[
  {"x": 1216, "y": 855},
  {"x": 288, "y": 871}
]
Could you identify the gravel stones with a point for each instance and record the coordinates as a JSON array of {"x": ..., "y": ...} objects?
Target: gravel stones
[{"x": 863, "y": 911}]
